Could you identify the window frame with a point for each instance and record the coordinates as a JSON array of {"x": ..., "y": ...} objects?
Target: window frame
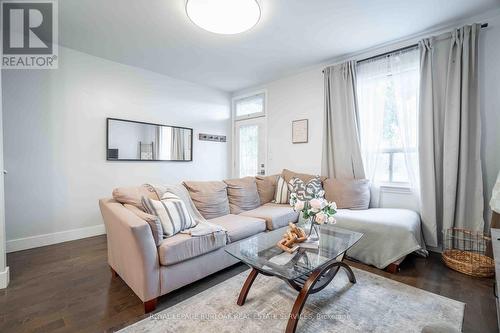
[
  {"x": 391, "y": 152},
  {"x": 241, "y": 97}
]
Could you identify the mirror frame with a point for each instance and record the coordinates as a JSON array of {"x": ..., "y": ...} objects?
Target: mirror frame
[{"x": 145, "y": 123}]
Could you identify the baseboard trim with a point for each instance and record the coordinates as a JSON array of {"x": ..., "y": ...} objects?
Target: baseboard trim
[
  {"x": 4, "y": 278},
  {"x": 26, "y": 243}
]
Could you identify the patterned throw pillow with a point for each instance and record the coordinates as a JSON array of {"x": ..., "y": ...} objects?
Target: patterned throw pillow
[
  {"x": 306, "y": 191},
  {"x": 172, "y": 213},
  {"x": 282, "y": 194}
]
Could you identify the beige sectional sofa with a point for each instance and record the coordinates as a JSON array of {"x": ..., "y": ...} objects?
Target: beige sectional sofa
[
  {"x": 243, "y": 207},
  {"x": 152, "y": 270}
]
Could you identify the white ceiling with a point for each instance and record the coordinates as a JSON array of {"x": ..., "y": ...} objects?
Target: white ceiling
[{"x": 157, "y": 34}]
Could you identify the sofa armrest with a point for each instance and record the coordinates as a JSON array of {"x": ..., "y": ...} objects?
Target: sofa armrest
[{"x": 132, "y": 252}]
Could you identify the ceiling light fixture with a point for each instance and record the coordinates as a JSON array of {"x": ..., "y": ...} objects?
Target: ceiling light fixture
[{"x": 225, "y": 17}]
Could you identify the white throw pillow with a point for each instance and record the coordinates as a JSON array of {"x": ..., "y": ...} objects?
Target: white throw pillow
[
  {"x": 282, "y": 194},
  {"x": 171, "y": 211}
]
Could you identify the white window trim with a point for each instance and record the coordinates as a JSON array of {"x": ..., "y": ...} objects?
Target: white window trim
[
  {"x": 395, "y": 187},
  {"x": 391, "y": 183},
  {"x": 247, "y": 95}
]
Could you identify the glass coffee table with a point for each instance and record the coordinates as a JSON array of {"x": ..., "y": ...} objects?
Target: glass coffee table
[{"x": 308, "y": 270}]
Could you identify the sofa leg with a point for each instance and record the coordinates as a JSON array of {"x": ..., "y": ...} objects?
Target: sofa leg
[
  {"x": 113, "y": 272},
  {"x": 392, "y": 268},
  {"x": 150, "y": 305}
]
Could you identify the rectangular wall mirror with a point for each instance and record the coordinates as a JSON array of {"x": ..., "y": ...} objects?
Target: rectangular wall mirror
[{"x": 129, "y": 140}]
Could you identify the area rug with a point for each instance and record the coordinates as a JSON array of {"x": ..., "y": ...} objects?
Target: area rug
[{"x": 373, "y": 304}]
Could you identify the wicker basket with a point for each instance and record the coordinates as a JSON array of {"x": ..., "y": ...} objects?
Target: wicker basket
[{"x": 464, "y": 251}]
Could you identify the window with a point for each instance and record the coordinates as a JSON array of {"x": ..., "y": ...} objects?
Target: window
[
  {"x": 248, "y": 150},
  {"x": 250, "y": 106},
  {"x": 387, "y": 90},
  {"x": 250, "y": 136}
]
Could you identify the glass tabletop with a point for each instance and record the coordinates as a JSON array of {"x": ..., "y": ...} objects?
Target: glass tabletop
[{"x": 262, "y": 253}]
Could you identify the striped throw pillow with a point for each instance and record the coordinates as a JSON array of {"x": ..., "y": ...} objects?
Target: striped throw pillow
[
  {"x": 172, "y": 213},
  {"x": 282, "y": 194}
]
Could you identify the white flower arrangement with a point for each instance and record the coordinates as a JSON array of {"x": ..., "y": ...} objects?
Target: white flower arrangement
[{"x": 319, "y": 210}]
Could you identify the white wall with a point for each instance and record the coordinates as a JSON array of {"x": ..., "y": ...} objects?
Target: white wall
[
  {"x": 55, "y": 139},
  {"x": 301, "y": 96},
  {"x": 293, "y": 98},
  {"x": 297, "y": 97}
]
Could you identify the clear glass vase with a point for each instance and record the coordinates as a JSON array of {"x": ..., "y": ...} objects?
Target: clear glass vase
[{"x": 313, "y": 235}]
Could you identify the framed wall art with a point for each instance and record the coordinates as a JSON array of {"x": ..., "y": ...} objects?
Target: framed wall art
[{"x": 300, "y": 131}]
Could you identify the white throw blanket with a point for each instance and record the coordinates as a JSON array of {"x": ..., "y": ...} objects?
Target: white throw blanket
[
  {"x": 389, "y": 234},
  {"x": 203, "y": 227}
]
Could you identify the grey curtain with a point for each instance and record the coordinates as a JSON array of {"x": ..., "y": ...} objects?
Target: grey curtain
[
  {"x": 450, "y": 134},
  {"x": 159, "y": 143},
  {"x": 341, "y": 149}
]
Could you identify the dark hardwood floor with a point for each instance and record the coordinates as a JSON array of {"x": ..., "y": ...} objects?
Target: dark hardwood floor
[{"x": 68, "y": 288}]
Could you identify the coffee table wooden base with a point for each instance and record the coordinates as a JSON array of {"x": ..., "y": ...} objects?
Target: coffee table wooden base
[
  {"x": 246, "y": 286},
  {"x": 306, "y": 285}
]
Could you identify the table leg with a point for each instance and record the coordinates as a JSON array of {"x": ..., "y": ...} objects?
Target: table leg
[
  {"x": 246, "y": 286},
  {"x": 308, "y": 289},
  {"x": 350, "y": 273},
  {"x": 300, "y": 301}
]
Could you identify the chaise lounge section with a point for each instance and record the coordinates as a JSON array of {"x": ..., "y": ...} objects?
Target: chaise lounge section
[{"x": 389, "y": 235}]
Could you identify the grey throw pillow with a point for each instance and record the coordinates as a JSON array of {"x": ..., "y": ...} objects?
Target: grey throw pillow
[
  {"x": 242, "y": 194},
  {"x": 210, "y": 198},
  {"x": 348, "y": 193},
  {"x": 266, "y": 187}
]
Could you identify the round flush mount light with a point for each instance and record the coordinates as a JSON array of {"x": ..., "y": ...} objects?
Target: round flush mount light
[{"x": 225, "y": 17}]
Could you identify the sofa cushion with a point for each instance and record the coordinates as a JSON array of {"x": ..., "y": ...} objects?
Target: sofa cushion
[
  {"x": 266, "y": 187},
  {"x": 348, "y": 193},
  {"x": 242, "y": 194},
  {"x": 210, "y": 198},
  {"x": 133, "y": 195},
  {"x": 181, "y": 247},
  {"x": 152, "y": 220},
  {"x": 276, "y": 215},
  {"x": 172, "y": 213},
  {"x": 288, "y": 175},
  {"x": 239, "y": 226}
]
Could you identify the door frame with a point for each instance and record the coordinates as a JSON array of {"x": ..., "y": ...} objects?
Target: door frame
[{"x": 234, "y": 98}]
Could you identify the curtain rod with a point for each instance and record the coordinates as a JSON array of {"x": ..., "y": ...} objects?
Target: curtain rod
[
  {"x": 389, "y": 52},
  {"x": 484, "y": 25}
]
